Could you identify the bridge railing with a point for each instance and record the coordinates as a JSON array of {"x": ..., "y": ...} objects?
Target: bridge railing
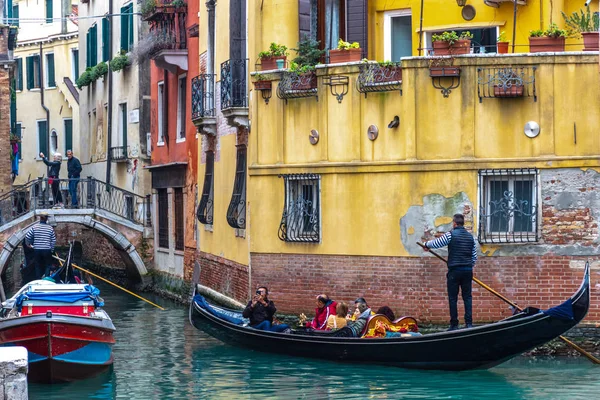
[{"x": 85, "y": 193}]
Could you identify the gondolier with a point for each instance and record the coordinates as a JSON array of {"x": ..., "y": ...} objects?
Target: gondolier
[
  {"x": 43, "y": 239},
  {"x": 462, "y": 255}
]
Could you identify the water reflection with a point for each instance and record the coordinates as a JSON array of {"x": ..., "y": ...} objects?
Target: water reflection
[{"x": 159, "y": 355}]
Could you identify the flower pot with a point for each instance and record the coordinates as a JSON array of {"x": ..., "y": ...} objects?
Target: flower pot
[
  {"x": 546, "y": 44},
  {"x": 270, "y": 62},
  {"x": 388, "y": 74},
  {"x": 344, "y": 56},
  {"x": 590, "y": 41},
  {"x": 441, "y": 48},
  {"x": 502, "y": 47},
  {"x": 513, "y": 91},
  {"x": 444, "y": 71},
  {"x": 305, "y": 81},
  {"x": 262, "y": 85},
  {"x": 462, "y": 46}
]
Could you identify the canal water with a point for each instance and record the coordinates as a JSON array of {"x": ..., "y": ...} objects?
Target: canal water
[{"x": 159, "y": 355}]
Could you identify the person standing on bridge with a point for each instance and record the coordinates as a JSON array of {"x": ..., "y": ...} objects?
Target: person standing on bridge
[
  {"x": 74, "y": 172},
  {"x": 53, "y": 180},
  {"x": 43, "y": 239}
]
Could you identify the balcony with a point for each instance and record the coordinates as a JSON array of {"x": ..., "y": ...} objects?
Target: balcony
[
  {"x": 203, "y": 104},
  {"x": 234, "y": 91},
  {"x": 167, "y": 42},
  {"x": 119, "y": 153}
]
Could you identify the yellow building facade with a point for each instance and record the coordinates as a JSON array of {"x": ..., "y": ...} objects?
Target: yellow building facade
[{"x": 345, "y": 177}]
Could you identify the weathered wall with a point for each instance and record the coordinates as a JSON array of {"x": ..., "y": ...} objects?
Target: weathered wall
[
  {"x": 225, "y": 276},
  {"x": 13, "y": 373},
  {"x": 5, "y": 77}
]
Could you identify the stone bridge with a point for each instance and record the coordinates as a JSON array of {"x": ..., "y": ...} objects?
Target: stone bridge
[{"x": 122, "y": 217}]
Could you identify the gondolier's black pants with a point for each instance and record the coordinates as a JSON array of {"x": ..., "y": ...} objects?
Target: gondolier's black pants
[
  {"x": 463, "y": 280},
  {"x": 43, "y": 262}
]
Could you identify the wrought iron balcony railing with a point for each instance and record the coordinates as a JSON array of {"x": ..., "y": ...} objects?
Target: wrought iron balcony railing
[
  {"x": 234, "y": 84},
  {"x": 119, "y": 153},
  {"x": 167, "y": 26},
  {"x": 203, "y": 96}
]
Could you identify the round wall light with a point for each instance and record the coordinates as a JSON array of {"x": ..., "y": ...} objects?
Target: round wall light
[{"x": 532, "y": 129}]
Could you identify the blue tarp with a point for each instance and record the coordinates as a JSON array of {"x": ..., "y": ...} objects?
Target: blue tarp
[
  {"x": 91, "y": 293},
  {"x": 563, "y": 311},
  {"x": 202, "y": 303}
]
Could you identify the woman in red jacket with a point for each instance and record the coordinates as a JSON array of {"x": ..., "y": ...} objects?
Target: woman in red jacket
[{"x": 325, "y": 308}]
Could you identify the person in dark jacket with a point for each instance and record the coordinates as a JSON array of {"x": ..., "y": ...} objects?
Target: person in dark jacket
[
  {"x": 325, "y": 308},
  {"x": 260, "y": 310},
  {"x": 74, "y": 173},
  {"x": 462, "y": 255},
  {"x": 53, "y": 173}
]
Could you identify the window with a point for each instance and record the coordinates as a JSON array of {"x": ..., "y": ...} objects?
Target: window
[
  {"x": 127, "y": 27},
  {"x": 68, "y": 135},
  {"x": 161, "y": 104},
  {"x": 163, "y": 218},
  {"x": 181, "y": 93},
  {"x": 33, "y": 72},
  {"x": 397, "y": 28},
  {"x": 204, "y": 213},
  {"x": 236, "y": 213},
  {"x": 48, "y": 11},
  {"x": 53, "y": 142},
  {"x": 508, "y": 205},
  {"x": 122, "y": 140},
  {"x": 19, "y": 134},
  {"x": 50, "y": 76},
  {"x": 300, "y": 221},
  {"x": 75, "y": 64},
  {"x": 19, "y": 74},
  {"x": 42, "y": 131},
  {"x": 129, "y": 208},
  {"x": 105, "y": 39},
  {"x": 178, "y": 208},
  {"x": 484, "y": 39},
  {"x": 15, "y": 15},
  {"x": 92, "y": 47}
]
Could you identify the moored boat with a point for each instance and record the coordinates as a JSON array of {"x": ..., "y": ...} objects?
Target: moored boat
[
  {"x": 476, "y": 348},
  {"x": 66, "y": 333}
]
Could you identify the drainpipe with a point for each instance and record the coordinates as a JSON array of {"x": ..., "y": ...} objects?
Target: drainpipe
[
  {"x": 421, "y": 29},
  {"x": 110, "y": 97},
  {"x": 43, "y": 104},
  {"x": 210, "y": 55},
  {"x": 65, "y": 12}
]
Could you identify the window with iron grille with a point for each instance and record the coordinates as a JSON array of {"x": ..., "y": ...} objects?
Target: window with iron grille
[
  {"x": 129, "y": 208},
  {"x": 236, "y": 213},
  {"x": 301, "y": 220},
  {"x": 178, "y": 207},
  {"x": 204, "y": 213},
  {"x": 508, "y": 205},
  {"x": 163, "y": 218}
]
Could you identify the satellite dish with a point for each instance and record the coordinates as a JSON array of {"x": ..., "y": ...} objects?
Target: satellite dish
[{"x": 532, "y": 129}]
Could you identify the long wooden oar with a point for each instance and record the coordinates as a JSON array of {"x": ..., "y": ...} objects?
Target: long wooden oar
[
  {"x": 513, "y": 304},
  {"x": 109, "y": 282}
]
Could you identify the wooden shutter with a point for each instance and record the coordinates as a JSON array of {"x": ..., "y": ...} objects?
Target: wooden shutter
[
  {"x": 124, "y": 119},
  {"x": 68, "y": 135},
  {"x": 75, "y": 54},
  {"x": 42, "y": 137},
  {"x": 30, "y": 78},
  {"x": 48, "y": 11},
  {"x": 15, "y": 15},
  {"x": 19, "y": 74},
  {"x": 105, "y": 38},
  {"x": 124, "y": 29},
  {"x": 94, "y": 43},
  {"x": 130, "y": 26},
  {"x": 51, "y": 77},
  {"x": 356, "y": 23},
  {"x": 88, "y": 49},
  {"x": 304, "y": 18}
]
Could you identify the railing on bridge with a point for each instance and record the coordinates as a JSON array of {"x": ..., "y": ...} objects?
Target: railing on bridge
[{"x": 91, "y": 194}]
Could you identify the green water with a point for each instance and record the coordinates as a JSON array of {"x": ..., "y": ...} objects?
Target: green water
[{"x": 159, "y": 355}]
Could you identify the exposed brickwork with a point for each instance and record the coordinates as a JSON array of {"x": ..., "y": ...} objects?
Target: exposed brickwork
[
  {"x": 576, "y": 225},
  {"x": 417, "y": 286},
  {"x": 189, "y": 257},
  {"x": 224, "y": 276},
  {"x": 5, "y": 147}
]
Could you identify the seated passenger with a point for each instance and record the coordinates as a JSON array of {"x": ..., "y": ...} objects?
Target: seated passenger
[
  {"x": 364, "y": 311},
  {"x": 385, "y": 310},
  {"x": 325, "y": 308},
  {"x": 338, "y": 320},
  {"x": 260, "y": 311}
]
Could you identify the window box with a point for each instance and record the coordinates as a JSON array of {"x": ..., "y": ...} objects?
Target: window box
[
  {"x": 444, "y": 71},
  {"x": 590, "y": 41},
  {"x": 443, "y": 48},
  {"x": 338, "y": 56},
  {"x": 546, "y": 44},
  {"x": 269, "y": 63},
  {"x": 263, "y": 85},
  {"x": 512, "y": 91}
]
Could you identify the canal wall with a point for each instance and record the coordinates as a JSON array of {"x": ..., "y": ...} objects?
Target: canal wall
[{"x": 13, "y": 373}]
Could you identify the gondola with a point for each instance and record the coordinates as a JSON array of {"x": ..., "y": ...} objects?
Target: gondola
[{"x": 480, "y": 347}]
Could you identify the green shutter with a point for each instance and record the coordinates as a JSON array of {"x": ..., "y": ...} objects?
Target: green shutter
[
  {"x": 19, "y": 74},
  {"x": 42, "y": 137},
  {"x": 124, "y": 29},
  {"x": 29, "y": 62},
  {"x": 51, "y": 77},
  {"x": 68, "y": 135},
  {"x": 38, "y": 71},
  {"x": 13, "y": 108},
  {"x": 9, "y": 10},
  {"x": 88, "y": 49},
  {"x": 124, "y": 119},
  {"x": 48, "y": 11},
  {"x": 18, "y": 133},
  {"x": 105, "y": 39},
  {"x": 94, "y": 40},
  {"x": 15, "y": 15},
  {"x": 130, "y": 25},
  {"x": 76, "y": 63}
]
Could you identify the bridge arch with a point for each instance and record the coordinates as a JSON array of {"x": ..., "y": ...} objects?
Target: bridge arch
[{"x": 14, "y": 234}]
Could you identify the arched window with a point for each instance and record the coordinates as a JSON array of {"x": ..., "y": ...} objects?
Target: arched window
[{"x": 53, "y": 141}]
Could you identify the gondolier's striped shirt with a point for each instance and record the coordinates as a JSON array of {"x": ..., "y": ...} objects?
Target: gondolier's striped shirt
[
  {"x": 41, "y": 236},
  {"x": 444, "y": 240}
]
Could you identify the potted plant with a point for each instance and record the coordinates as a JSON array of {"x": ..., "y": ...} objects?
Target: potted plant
[
  {"x": 345, "y": 52},
  {"x": 508, "y": 84},
  {"x": 439, "y": 67},
  {"x": 448, "y": 43},
  {"x": 120, "y": 62},
  {"x": 85, "y": 79},
  {"x": 307, "y": 79},
  {"x": 387, "y": 71},
  {"x": 502, "y": 43},
  {"x": 552, "y": 39},
  {"x": 14, "y": 139},
  {"x": 268, "y": 58},
  {"x": 261, "y": 82},
  {"x": 587, "y": 25}
]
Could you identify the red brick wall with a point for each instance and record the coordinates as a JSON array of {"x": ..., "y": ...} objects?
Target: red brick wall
[
  {"x": 224, "y": 276},
  {"x": 5, "y": 147},
  {"x": 573, "y": 225},
  {"x": 417, "y": 286},
  {"x": 189, "y": 256},
  {"x": 97, "y": 249}
]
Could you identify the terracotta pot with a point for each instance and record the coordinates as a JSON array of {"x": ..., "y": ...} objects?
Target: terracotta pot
[
  {"x": 462, "y": 46},
  {"x": 344, "y": 56},
  {"x": 262, "y": 85},
  {"x": 513, "y": 91},
  {"x": 441, "y": 48},
  {"x": 502, "y": 47},
  {"x": 270, "y": 62},
  {"x": 308, "y": 82},
  {"x": 590, "y": 41},
  {"x": 444, "y": 71},
  {"x": 388, "y": 74},
  {"x": 546, "y": 44}
]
